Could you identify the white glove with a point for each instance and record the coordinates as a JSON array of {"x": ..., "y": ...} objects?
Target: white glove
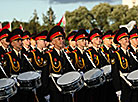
[
  {"x": 47, "y": 98},
  {"x": 118, "y": 93}
]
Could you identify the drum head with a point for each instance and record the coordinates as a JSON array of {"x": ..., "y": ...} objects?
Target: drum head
[
  {"x": 92, "y": 74},
  {"x": 133, "y": 75},
  {"x": 28, "y": 76},
  {"x": 68, "y": 78},
  {"x": 4, "y": 82},
  {"x": 106, "y": 69}
]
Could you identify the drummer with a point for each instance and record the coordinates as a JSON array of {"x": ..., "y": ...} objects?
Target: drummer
[
  {"x": 133, "y": 36},
  {"x": 97, "y": 94},
  {"x": 32, "y": 41},
  {"x": 12, "y": 60},
  {"x": 107, "y": 41},
  {"x": 36, "y": 57},
  {"x": 3, "y": 48},
  {"x": 57, "y": 65},
  {"x": 26, "y": 42},
  {"x": 13, "y": 65},
  {"x": 121, "y": 66},
  {"x": 72, "y": 44},
  {"x": 114, "y": 46},
  {"x": 78, "y": 58}
]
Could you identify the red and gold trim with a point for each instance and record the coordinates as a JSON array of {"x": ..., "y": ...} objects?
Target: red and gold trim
[
  {"x": 70, "y": 38},
  {"x": 15, "y": 37},
  {"x": 113, "y": 36},
  {"x": 94, "y": 35},
  {"x": 3, "y": 36},
  {"x": 79, "y": 37},
  {"x": 25, "y": 37},
  {"x": 106, "y": 37},
  {"x": 55, "y": 35},
  {"x": 121, "y": 36},
  {"x": 40, "y": 38},
  {"x": 135, "y": 35}
]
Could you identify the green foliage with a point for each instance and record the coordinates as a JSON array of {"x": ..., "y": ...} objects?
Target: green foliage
[{"x": 103, "y": 16}]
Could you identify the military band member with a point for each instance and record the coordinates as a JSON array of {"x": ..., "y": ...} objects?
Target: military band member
[
  {"x": 121, "y": 66},
  {"x": 57, "y": 65},
  {"x": 133, "y": 37},
  {"x": 36, "y": 55},
  {"x": 78, "y": 58},
  {"x": 114, "y": 46},
  {"x": 3, "y": 48},
  {"x": 13, "y": 63},
  {"x": 26, "y": 42},
  {"x": 133, "y": 57},
  {"x": 93, "y": 51},
  {"x": 72, "y": 44},
  {"x": 33, "y": 42},
  {"x": 107, "y": 41}
]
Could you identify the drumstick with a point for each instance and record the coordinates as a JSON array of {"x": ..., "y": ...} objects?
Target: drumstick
[
  {"x": 91, "y": 60},
  {"x": 69, "y": 60},
  {"x": 119, "y": 98},
  {"x": 35, "y": 95},
  {"x": 29, "y": 62},
  {"x": 55, "y": 83},
  {"x": 121, "y": 74},
  {"x": 3, "y": 71}
]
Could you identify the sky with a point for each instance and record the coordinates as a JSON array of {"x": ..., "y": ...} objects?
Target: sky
[{"x": 23, "y": 10}]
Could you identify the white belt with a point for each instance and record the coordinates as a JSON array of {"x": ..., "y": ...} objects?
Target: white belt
[{"x": 55, "y": 75}]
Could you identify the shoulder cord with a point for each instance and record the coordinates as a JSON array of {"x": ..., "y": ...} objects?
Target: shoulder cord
[
  {"x": 16, "y": 69},
  {"x": 108, "y": 58},
  {"x": 81, "y": 66},
  {"x": 96, "y": 58},
  {"x": 41, "y": 63},
  {"x": 54, "y": 67},
  {"x": 121, "y": 61}
]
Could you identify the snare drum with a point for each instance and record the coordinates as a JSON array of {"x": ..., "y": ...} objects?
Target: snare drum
[
  {"x": 70, "y": 82},
  {"x": 133, "y": 78},
  {"x": 107, "y": 72},
  {"x": 94, "y": 78},
  {"x": 7, "y": 88},
  {"x": 29, "y": 80}
]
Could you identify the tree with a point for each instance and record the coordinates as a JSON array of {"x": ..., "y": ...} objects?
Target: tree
[
  {"x": 118, "y": 16},
  {"x": 49, "y": 18},
  {"x": 79, "y": 18},
  {"x": 101, "y": 14},
  {"x": 34, "y": 25}
]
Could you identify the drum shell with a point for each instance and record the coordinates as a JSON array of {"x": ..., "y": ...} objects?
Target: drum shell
[
  {"x": 94, "y": 78},
  {"x": 30, "y": 84},
  {"x": 8, "y": 91},
  {"x": 95, "y": 82}
]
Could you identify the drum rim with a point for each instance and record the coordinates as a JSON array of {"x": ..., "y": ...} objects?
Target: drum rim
[
  {"x": 130, "y": 78},
  {"x": 104, "y": 67},
  {"x": 64, "y": 84},
  {"x": 89, "y": 72},
  {"x": 22, "y": 74},
  {"x": 9, "y": 84}
]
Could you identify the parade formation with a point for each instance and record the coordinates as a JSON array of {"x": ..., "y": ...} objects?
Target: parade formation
[{"x": 93, "y": 67}]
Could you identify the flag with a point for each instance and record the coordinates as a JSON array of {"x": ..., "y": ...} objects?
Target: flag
[
  {"x": 0, "y": 27},
  {"x": 7, "y": 26},
  {"x": 62, "y": 22},
  {"x": 21, "y": 27}
]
